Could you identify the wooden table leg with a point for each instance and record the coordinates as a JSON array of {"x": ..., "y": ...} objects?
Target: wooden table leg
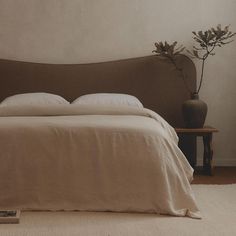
[
  {"x": 188, "y": 145},
  {"x": 208, "y": 154}
]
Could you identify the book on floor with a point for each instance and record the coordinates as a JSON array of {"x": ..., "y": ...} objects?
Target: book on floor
[{"x": 10, "y": 216}]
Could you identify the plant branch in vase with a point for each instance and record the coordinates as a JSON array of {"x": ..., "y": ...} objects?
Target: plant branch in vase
[
  {"x": 195, "y": 110},
  {"x": 170, "y": 51},
  {"x": 207, "y": 42}
]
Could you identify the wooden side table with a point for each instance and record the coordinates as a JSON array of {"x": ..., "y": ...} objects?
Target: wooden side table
[{"x": 188, "y": 144}]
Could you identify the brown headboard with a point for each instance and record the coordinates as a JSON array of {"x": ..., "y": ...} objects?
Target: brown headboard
[{"x": 152, "y": 79}]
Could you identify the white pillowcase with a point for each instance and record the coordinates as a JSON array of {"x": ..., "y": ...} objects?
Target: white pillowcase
[
  {"x": 113, "y": 99},
  {"x": 34, "y": 99}
]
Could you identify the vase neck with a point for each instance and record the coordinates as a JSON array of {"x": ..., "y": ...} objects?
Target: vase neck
[{"x": 194, "y": 96}]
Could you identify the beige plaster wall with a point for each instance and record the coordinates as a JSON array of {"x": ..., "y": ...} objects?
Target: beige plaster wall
[{"x": 75, "y": 31}]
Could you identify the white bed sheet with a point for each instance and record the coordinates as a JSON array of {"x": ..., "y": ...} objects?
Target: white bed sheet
[{"x": 77, "y": 157}]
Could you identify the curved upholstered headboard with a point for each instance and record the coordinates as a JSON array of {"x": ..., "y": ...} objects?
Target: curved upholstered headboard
[{"x": 152, "y": 79}]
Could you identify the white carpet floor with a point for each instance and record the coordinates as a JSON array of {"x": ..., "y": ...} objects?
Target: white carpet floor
[{"x": 217, "y": 204}]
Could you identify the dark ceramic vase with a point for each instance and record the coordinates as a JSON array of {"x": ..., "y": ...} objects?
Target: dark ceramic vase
[{"x": 194, "y": 112}]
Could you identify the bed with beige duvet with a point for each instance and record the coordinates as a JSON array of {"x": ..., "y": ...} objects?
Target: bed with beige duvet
[{"x": 91, "y": 158}]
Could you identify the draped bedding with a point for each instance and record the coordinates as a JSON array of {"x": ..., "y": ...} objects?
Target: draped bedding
[{"x": 77, "y": 157}]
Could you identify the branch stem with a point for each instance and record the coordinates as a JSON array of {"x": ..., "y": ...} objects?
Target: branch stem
[
  {"x": 208, "y": 52},
  {"x": 182, "y": 73},
  {"x": 202, "y": 72}
]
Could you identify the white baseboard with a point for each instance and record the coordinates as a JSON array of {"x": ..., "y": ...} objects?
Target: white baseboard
[
  {"x": 220, "y": 162},
  {"x": 225, "y": 162}
]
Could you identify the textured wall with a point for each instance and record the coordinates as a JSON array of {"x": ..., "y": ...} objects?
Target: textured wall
[{"x": 75, "y": 31}]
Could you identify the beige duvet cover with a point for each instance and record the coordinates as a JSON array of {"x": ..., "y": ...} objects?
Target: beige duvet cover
[{"x": 76, "y": 157}]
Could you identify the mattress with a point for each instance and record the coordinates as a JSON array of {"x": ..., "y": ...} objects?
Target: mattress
[{"x": 91, "y": 158}]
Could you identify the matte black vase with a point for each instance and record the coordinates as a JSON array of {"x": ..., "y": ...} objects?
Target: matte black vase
[{"x": 194, "y": 112}]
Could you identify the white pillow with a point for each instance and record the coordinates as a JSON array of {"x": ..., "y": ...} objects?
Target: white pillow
[
  {"x": 114, "y": 99},
  {"x": 34, "y": 99}
]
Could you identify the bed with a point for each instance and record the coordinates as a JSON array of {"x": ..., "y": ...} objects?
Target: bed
[{"x": 96, "y": 158}]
